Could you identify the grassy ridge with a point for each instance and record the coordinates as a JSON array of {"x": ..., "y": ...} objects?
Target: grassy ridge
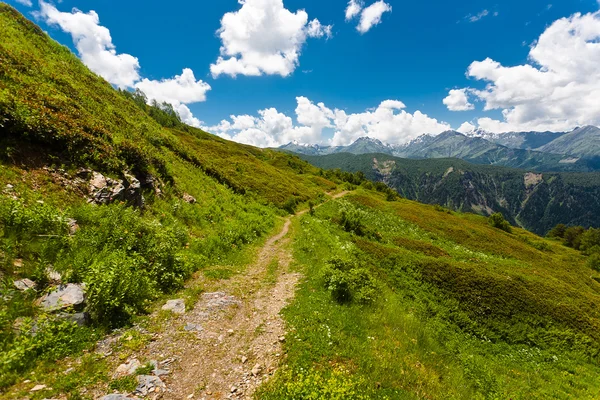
[{"x": 458, "y": 309}]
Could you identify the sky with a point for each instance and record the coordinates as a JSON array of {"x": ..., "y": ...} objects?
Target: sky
[{"x": 269, "y": 72}]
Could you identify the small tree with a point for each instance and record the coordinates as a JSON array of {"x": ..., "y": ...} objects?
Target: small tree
[
  {"x": 558, "y": 231},
  {"x": 497, "y": 221},
  {"x": 573, "y": 236}
]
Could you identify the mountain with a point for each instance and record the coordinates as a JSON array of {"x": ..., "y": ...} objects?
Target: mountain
[
  {"x": 452, "y": 144},
  {"x": 536, "y": 201},
  {"x": 477, "y": 147},
  {"x": 582, "y": 142},
  {"x": 132, "y": 246},
  {"x": 518, "y": 140}
]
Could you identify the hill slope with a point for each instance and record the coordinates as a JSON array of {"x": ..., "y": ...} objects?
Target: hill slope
[
  {"x": 538, "y": 202},
  {"x": 582, "y": 142}
]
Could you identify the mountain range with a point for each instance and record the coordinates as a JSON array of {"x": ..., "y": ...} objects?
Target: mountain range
[{"x": 578, "y": 150}]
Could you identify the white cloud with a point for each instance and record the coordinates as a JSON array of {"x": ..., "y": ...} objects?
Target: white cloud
[
  {"x": 388, "y": 122},
  {"x": 354, "y": 8},
  {"x": 97, "y": 51},
  {"x": 316, "y": 30},
  {"x": 371, "y": 15},
  {"x": 263, "y": 37},
  {"x": 477, "y": 17},
  {"x": 94, "y": 44},
  {"x": 457, "y": 100},
  {"x": 466, "y": 127},
  {"x": 558, "y": 90},
  {"x": 178, "y": 91},
  {"x": 26, "y": 3}
]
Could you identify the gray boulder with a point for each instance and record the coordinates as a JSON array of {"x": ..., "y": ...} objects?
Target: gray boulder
[{"x": 65, "y": 296}]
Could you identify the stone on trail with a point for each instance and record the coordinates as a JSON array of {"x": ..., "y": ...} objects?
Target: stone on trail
[
  {"x": 148, "y": 384},
  {"x": 128, "y": 368},
  {"x": 176, "y": 306},
  {"x": 116, "y": 396},
  {"x": 37, "y": 388}
]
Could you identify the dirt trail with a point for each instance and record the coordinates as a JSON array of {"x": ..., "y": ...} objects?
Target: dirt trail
[{"x": 231, "y": 341}]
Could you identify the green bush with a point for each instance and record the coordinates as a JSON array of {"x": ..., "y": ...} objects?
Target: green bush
[
  {"x": 497, "y": 221},
  {"x": 558, "y": 231},
  {"x": 573, "y": 236},
  {"x": 594, "y": 262},
  {"x": 46, "y": 338},
  {"x": 347, "y": 282},
  {"x": 351, "y": 221},
  {"x": 117, "y": 287},
  {"x": 590, "y": 241}
]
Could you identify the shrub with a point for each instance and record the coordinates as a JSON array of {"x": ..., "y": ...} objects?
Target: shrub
[
  {"x": 290, "y": 205},
  {"x": 351, "y": 221},
  {"x": 497, "y": 221},
  {"x": 348, "y": 282},
  {"x": 48, "y": 339},
  {"x": 117, "y": 288},
  {"x": 558, "y": 231},
  {"x": 573, "y": 236},
  {"x": 590, "y": 241},
  {"x": 594, "y": 262}
]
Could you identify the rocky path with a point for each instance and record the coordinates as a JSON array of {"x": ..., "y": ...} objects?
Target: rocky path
[{"x": 231, "y": 341}]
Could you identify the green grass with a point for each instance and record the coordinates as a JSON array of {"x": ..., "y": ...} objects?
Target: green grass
[{"x": 455, "y": 316}]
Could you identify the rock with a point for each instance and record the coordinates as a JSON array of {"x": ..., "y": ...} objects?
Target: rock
[
  {"x": 73, "y": 227},
  {"x": 230, "y": 332},
  {"x": 176, "y": 306},
  {"x": 81, "y": 318},
  {"x": 256, "y": 370},
  {"x": 25, "y": 284},
  {"x": 127, "y": 369},
  {"x": 148, "y": 384},
  {"x": 219, "y": 300},
  {"x": 116, "y": 396},
  {"x": 53, "y": 275},
  {"x": 244, "y": 359},
  {"x": 37, "y": 388},
  {"x": 189, "y": 198},
  {"x": 192, "y": 328},
  {"x": 18, "y": 263},
  {"x": 65, "y": 296},
  {"x": 282, "y": 339}
]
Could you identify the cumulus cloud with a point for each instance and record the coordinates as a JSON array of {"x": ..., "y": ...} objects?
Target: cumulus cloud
[
  {"x": 466, "y": 127},
  {"x": 263, "y": 37},
  {"x": 477, "y": 17},
  {"x": 26, "y": 3},
  {"x": 557, "y": 90},
  {"x": 94, "y": 44},
  {"x": 97, "y": 51},
  {"x": 388, "y": 122},
  {"x": 354, "y": 8},
  {"x": 369, "y": 16},
  {"x": 458, "y": 100},
  {"x": 178, "y": 91}
]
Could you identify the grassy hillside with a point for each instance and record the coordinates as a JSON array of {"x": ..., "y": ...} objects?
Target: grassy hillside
[
  {"x": 407, "y": 301},
  {"x": 56, "y": 118},
  {"x": 537, "y": 202}
]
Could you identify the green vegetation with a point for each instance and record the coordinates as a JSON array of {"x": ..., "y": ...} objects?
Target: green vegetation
[
  {"x": 537, "y": 202},
  {"x": 457, "y": 309},
  {"x": 497, "y": 221},
  {"x": 57, "y": 118}
]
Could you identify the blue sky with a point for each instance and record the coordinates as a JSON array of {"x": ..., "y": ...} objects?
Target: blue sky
[{"x": 416, "y": 54}]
